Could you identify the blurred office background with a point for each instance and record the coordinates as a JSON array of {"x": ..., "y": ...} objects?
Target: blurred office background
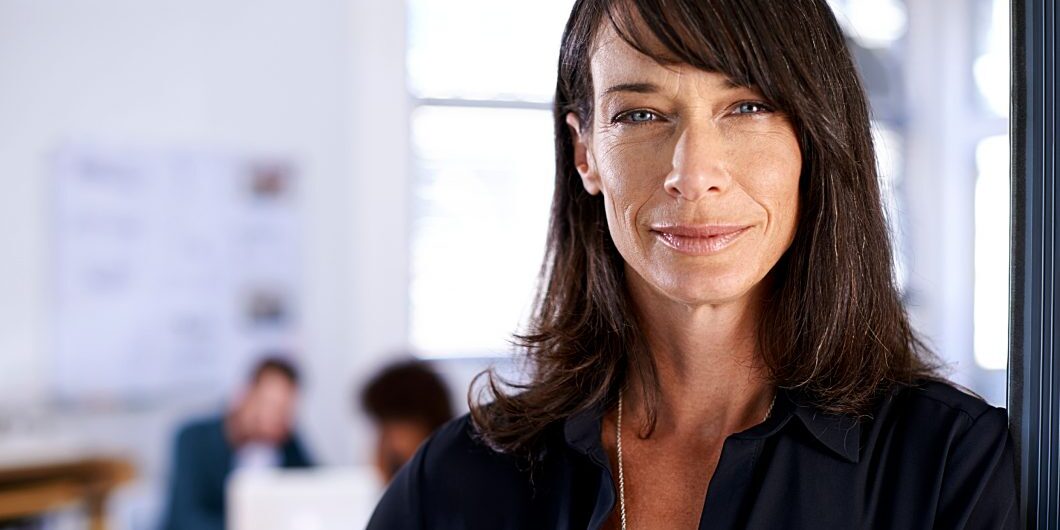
[{"x": 185, "y": 186}]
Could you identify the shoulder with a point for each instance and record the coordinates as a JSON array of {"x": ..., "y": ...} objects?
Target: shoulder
[
  {"x": 956, "y": 444},
  {"x": 935, "y": 404},
  {"x": 945, "y": 395},
  {"x": 935, "y": 425},
  {"x": 202, "y": 425},
  {"x": 456, "y": 480},
  {"x": 456, "y": 449},
  {"x": 200, "y": 431}
]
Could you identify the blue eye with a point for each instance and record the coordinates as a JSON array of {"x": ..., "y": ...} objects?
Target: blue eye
[
  {"x": 751, "y": 107},
  {"x": 637, "y": 116}
]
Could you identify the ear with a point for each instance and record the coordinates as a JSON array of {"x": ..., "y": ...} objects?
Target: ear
[{"x": 583, "y": 156}]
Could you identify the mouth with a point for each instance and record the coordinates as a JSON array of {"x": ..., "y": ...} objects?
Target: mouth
[{"x": 698, "y": 240}]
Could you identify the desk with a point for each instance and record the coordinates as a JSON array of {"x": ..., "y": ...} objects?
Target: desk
[{"x": 38, "y": 486}]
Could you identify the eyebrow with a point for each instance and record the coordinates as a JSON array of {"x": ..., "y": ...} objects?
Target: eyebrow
[
  {"x": 637, "y": 88},
  {"x": 651, "y": 88}
]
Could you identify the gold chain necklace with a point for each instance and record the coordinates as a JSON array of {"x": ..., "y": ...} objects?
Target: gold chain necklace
[{"x": 621, "y": 473}]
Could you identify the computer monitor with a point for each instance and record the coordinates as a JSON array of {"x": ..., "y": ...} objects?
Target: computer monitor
[{"x": 310, "y": 499}]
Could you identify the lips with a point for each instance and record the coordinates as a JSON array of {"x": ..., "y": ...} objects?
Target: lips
[{"x": 699, "y": 240}]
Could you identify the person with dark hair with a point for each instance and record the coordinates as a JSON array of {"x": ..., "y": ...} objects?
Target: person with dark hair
[
  {"x": 257, "y": 432},
  {"x": 718, "y": 340},
  {"x": 407, "y": 401}
]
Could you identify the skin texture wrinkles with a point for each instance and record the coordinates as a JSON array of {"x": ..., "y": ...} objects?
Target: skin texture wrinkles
[{"x": 674, "y": 151}]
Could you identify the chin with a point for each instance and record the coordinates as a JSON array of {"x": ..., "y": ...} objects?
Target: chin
[
  {"x": 695, "y": 284},
  {"x": 708, "y": 297},
  {"x": 701, "y": 290}
]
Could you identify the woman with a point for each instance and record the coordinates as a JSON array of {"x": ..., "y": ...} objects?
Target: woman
[{"x": 718, "y": 341}]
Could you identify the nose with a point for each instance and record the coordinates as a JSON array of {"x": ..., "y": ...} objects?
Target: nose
[{"x": 699, "y": 164}]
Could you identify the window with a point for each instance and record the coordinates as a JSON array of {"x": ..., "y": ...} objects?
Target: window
[
  {"x": 941, "y": 132},
  {"x": 481, "y": 75},
  {"x": 991, "y": 253},
  {"x": 991, "y": 73}
]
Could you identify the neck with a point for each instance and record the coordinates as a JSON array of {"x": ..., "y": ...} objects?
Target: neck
[{"x": 711, "y": 376}]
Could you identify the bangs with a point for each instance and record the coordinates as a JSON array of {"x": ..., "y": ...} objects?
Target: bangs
[{"x": 729, "y": 37}]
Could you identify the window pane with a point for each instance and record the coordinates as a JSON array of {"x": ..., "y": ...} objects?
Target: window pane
[
  {"x": 481, "y": 200},
  {"x": 872, "y": 23},
  {"x": 991, "y": 253},
  {"x": 483, "y": 49},
  {"x": 992, "y": 65}
]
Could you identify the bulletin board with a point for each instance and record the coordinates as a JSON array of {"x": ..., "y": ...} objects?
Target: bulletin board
[{"x": 172, "y": 270}]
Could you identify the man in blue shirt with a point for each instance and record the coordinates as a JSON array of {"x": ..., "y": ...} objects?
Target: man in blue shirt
[{"x": 256, "y": 433}]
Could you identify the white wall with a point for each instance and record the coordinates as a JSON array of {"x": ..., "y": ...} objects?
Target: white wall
[{"x": 320, "y": 81}]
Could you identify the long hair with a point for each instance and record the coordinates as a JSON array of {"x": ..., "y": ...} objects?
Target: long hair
[{"x": 833, "y": 328}]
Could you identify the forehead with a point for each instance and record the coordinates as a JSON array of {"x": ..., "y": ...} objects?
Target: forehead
[
  {"x": 615, "y": 62},
  {"x": 273, "y": 382},
  {"x": 611, "y": 54}
]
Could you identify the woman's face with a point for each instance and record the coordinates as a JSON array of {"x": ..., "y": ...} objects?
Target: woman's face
[{"x": 699, "y": 178}]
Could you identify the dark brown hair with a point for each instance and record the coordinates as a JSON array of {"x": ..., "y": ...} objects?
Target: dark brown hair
[
  {"x": 278, "y": 364},
  {"x": 408, "y": 391},
  {"x": 833, "y": 328}
]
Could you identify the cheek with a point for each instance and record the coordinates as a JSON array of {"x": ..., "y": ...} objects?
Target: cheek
[
  {"x": 775, "y": 178},
  {"x": 624, "y": 201},
  {"x": 631, "y": 175}
]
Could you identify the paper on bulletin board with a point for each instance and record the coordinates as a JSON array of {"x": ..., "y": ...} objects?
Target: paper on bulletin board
[{"x": 173, "y": 269}]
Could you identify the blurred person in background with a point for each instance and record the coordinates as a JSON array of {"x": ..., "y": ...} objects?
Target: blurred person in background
[
  {"x": 407, "y": 401},
  {"x": 257, "y": 432}
]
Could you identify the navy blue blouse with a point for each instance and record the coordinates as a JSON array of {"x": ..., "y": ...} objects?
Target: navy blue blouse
[{"x": 930, "y": 456}]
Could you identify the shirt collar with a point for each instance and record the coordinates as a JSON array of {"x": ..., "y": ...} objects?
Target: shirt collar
[
  {"x": 582, "y": 430},
  {"x": 582, "y": 433},
  {"x": 841, "y": 434}
]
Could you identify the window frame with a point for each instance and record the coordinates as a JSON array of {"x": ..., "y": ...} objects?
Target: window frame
[{"x": 1034, "y": 358}]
